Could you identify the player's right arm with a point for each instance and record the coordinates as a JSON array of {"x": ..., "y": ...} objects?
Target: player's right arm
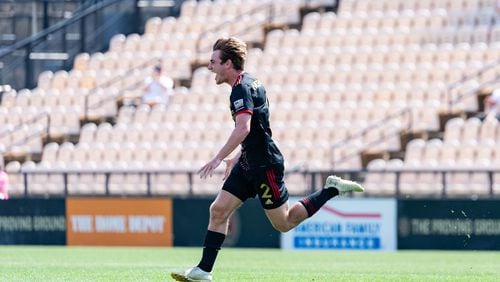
[{"x": 239, "y": 133}]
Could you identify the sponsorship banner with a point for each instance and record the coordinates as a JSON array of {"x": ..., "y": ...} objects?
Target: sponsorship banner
[
  {"x": 449, "y": 224},
  {"x": 346, "y": 224},
  {"x": 248, "y": 226},
  {"x": 33, "y": 221},
  {"x": 119, "y": 221}
]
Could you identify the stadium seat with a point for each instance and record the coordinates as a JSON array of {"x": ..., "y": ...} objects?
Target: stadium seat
[{"x": 394, "y": 54}]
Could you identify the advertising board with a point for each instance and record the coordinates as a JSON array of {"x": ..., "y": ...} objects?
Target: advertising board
[
  {"x": 33, "y": 221},
  {"x": 346, "y": 224},
  {"x": 449, "y": 224},
  {"x": 119, "y": 221}
]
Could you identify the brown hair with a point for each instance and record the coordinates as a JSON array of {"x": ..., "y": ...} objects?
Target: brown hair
[{"x": 232, "y": 49}]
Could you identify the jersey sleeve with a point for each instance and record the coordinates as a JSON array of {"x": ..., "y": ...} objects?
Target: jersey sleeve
[{"x": 241, "y": 100}]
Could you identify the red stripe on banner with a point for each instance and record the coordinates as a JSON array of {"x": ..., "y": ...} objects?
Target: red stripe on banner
[
  {"x": 272, "y": 181},
  {"x": 342, "y": 214}
]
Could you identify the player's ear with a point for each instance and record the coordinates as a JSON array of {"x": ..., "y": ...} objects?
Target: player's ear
[{"x": 228, "y": 63}]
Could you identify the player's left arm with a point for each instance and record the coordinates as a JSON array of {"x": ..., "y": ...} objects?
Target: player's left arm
[{"x": 239, "y": 133}]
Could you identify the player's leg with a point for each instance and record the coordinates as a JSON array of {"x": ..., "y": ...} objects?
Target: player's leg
[
  {"x": 220, "y": 210},
  {"x": 284, "y": 218},
  {"x": 227, "y": 201},
  {"x": 274, "y": 198}
]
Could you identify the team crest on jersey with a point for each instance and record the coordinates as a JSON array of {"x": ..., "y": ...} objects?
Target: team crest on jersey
[{"x": 238, "y": 104}]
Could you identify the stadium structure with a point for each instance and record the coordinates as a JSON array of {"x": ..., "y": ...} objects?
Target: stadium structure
[{"x": 389, "y": 93}]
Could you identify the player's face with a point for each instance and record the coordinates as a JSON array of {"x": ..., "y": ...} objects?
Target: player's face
[{"x": 216, "y": 67}]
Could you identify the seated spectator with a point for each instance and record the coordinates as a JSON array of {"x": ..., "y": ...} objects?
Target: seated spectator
[
  {"x": 4, "y": 185},
  {"x": 158, "y": 88},
  {"x": 492, "y": 105}
]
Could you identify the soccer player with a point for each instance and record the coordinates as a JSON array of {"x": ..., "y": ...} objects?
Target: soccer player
[{"x": 257, "y": 169}]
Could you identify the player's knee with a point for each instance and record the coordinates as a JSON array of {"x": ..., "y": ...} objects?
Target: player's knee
[{"x": 218, "y": 212}]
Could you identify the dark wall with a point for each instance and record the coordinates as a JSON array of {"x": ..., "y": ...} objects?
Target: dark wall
[
  {"x": 248, "y": 227},
  {"x": 33, "y": 221},
  {"x": 449, "y": 224}
]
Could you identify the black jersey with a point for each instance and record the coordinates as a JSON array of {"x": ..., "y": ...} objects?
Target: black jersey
[{"x": 258, "y": 149}]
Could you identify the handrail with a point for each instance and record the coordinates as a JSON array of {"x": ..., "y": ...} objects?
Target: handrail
[
  {"x": 110, "y": 82},
  {"x": 452, "y": 86},
  {"x": 451, "y": 102},
  {"x": 86, "y": 108},
  {"x": 18, "y": 56},
  {"x": 56, "y": 27},
  {"x": 444, "y": 190},
  {"x": 461, "y": 96},
  {"x": 266, "y": 6},
  {"x": 33, "y": 120},
  {"x": 368, "y": 128},
  {"x": 30, "y": 121}
]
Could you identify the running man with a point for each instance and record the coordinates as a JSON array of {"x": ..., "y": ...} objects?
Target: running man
[{"x": 259, "y": 166}]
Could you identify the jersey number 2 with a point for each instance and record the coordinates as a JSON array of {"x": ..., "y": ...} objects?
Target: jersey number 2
[{"x": 266, "y": 194}]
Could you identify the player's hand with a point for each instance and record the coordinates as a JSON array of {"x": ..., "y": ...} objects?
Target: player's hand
[
  {"x": 229, "y": 165},
  {"x": 208, "y": 169}
]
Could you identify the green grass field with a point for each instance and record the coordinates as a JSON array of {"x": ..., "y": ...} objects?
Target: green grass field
[{"x": 33, "y": 263}]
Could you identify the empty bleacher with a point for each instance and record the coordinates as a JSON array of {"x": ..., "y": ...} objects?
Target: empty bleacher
[{"x": 329, "y": 76}]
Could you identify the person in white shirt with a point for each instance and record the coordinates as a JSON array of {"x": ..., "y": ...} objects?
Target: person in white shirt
[
  {"x": 492, "y": 105},
  {"x": 158, "y": 88}
]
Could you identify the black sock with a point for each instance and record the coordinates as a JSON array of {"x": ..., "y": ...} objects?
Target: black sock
[
  {"x": 316, "y": 200},
  {"x": 213, "y": 242}
]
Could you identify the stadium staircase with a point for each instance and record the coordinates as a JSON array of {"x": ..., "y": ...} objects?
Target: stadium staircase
[
  {"x": 90, "y": 103},
  {"x": 446, "y": 114}
]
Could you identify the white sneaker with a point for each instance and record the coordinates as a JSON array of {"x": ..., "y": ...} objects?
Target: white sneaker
[
  {"x": 342, "y": 185},
  {"x": 192, "y": 274}
]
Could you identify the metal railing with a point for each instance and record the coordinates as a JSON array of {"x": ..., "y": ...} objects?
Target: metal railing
[
  {"x": 365, "y": 131},
  {"x": 87, "y": 106},
  {"x": 88, "y": 30},
  {"x": 313, "y": 180},
  {"x": 444, "y": 175},
  {"x": 268, "y": 8},
  {"x": 454, "y": 87},
  {"x": 33, "y": 134},
  {"x": 109, "y": 83},
  {"x": 452, "y": 101}
]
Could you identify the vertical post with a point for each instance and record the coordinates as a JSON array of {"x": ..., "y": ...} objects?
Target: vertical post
[
  {"x": 45, "y": 14},
  {"x": 28, "y": 68},
  {"x": 313, "y": 181},
  {"x": 2, "y": 75},
  {"x": 82, "y": 34},
  {"x": 190, "y": 180},
  {"x": 398, "y": 177},
  {"x": 490, "y": 178},
  {"x": 33, "y": 18},
  {"x": 65, "y": 177},
  {"x": 64, "y": 47},
  {"x": 148, "y": 182},
  {"x": 25, "y": 178},
  {"x": 106, "y": 182},
  {"x": 443, "y": 174},
  {"x": 137, "y": 16}
]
